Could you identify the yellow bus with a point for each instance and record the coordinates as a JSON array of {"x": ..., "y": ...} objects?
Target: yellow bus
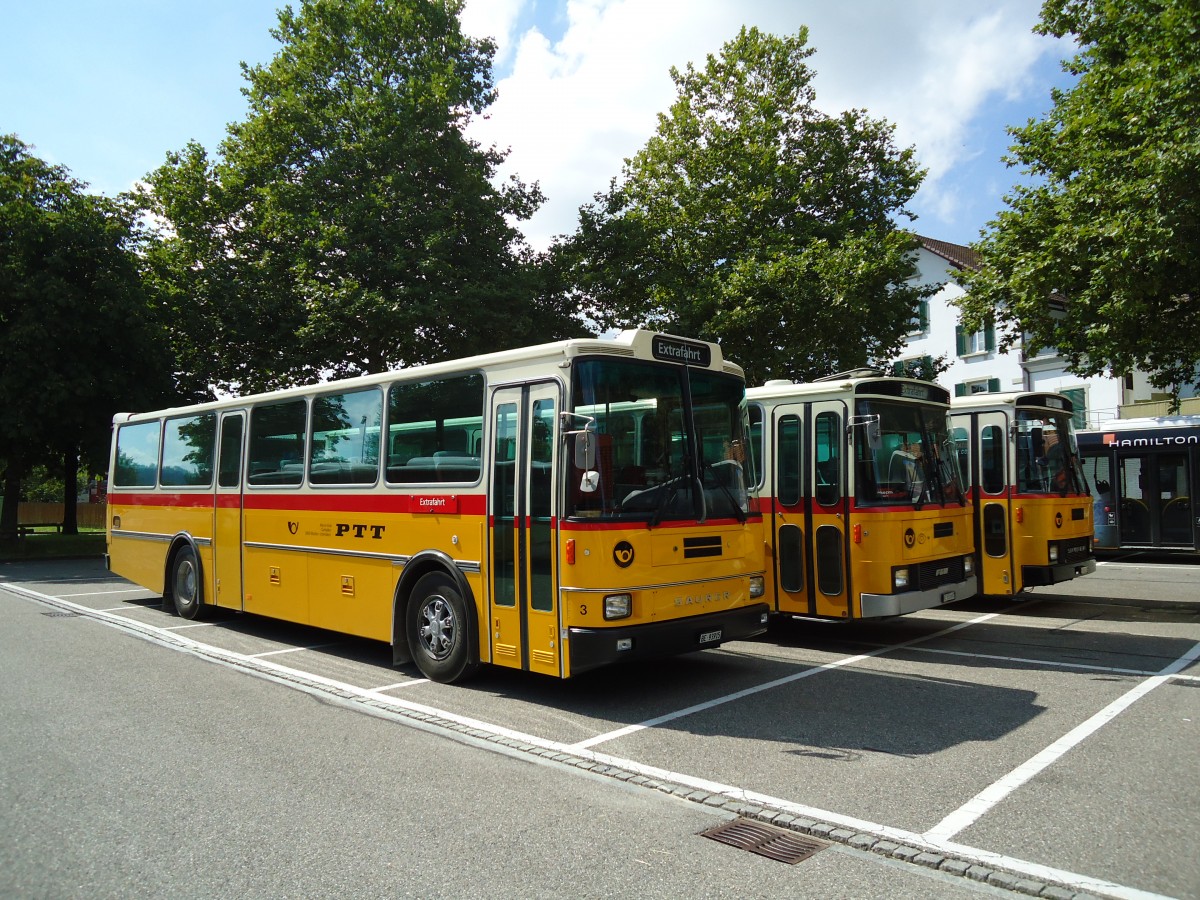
[
  {"x": 864, "y": 513},
  {"x": 1033, "y": 509},
  {"x": 550, "y": 509}
]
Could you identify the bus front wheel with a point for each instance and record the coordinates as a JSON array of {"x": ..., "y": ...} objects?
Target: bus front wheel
[
  {"x": 186, "y": 588},
  {"x": 439, "y": 630}
]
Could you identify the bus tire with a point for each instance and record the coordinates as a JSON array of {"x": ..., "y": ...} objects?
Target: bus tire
[
  {"x": 441, "y": 630},
  {"x": 187, "y": 587}
]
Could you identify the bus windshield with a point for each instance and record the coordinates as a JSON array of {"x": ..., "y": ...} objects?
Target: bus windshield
[
  {"x": 904, "y": 454},
  {"x": 1047, "y": 454},
  {"x": 657, "y": 457}
]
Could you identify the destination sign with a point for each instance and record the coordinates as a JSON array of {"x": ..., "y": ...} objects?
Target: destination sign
[{"x": 678, "y": 350}]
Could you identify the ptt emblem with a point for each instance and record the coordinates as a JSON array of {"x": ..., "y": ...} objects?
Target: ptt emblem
[
  {"x": 1058, "y": 520},
  {"x": 910, "y": 537},
  {"x": 623, "y": 554}
]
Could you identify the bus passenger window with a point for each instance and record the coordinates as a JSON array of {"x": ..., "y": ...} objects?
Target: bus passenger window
[
  {"x": 277, "y": 443},
  {"x": 188, "y": 447},
  {"x": 137, "y": 455}
]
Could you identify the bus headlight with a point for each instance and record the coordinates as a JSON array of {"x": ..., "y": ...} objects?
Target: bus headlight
[
  {"x": 757, "y": 587},
  {"x": 1054, "y": 553},
  {"x": 900, "y": 579},
  {"x": 968, "y": 565},
  {"x": 618, "y": 606}
]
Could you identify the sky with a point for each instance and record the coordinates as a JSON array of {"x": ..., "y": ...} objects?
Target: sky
[{"x": 107, "y": 88}]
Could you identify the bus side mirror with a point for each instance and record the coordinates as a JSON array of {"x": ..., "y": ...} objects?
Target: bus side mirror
[{"x": 585, "y": 451}]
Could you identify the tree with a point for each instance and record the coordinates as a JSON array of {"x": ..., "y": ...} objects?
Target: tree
[
  {"x": 752, "y": 218},
  {"x": 79, "y": 336},
  {"x": 1109, "y": 226},
  {"x": 350, "y": 225}
]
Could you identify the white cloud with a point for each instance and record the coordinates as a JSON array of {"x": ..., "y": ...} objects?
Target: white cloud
[{"x": 573, "y": 108}]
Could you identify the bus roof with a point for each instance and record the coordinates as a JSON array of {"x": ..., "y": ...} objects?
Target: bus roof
[
  {"x": 1146, "y": 423},
  {"x": 1024, "y": 399},
  {"x": 859, "y": 382},
  {"x": 634, "y": 343}
]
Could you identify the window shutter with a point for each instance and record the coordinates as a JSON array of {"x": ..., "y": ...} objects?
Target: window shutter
[
  {"x": 960, "y": 389},
  {"x": 960, "y": 340},
  {"x": 989, "y": 338},
  {"x": 1078, "y": 398},
  {"x": 993, "y": 385},
  {"x": 924, "y": 315}
]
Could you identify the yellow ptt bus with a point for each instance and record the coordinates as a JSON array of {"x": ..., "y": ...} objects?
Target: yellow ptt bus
[
  {"x": 864, "y": 513},
  {"x": 550, "y": 509},
  {"x": 1033, "y": 510}
]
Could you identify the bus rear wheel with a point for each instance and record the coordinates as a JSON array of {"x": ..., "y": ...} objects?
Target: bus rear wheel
[
  {"x": 187, "y": 589},
  {"x": 440, "y": 630}
]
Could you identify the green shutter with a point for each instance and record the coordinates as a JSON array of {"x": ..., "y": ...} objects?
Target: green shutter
[
  {"x": 960, "y": 340},
  {"x": 989, "y": 338},
  {"x": 924, "y": 315},
  {"x": 960, "y": 389},
  {"x": 1078, "y": 398},
  {"x": 993, "y": 385}
]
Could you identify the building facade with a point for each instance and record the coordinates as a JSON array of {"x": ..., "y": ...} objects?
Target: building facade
[{"x": 975, "y": 363}]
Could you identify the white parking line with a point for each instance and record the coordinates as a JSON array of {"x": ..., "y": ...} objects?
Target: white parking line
[
  {"x": 289, "y": 650},
  {"x": 977, "y": 806},
  {"x": 729, "y": 698},
  {"x": 135, "y": 590}
]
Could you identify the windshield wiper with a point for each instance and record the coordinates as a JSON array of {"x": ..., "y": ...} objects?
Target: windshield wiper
[{"x": 670, "y": 489}]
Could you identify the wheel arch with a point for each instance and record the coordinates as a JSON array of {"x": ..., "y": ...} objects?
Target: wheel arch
[
  {"x": 417, "y": 567},
  {"x": 178, "y": 542}
]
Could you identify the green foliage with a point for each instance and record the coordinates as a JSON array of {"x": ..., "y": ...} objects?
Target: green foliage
[
  {"x": 79, "y": 336},
  {"x": 1109, "y": 223},
  {"x": 754, "y": 219},
  {"x": 349, "y": 225}
]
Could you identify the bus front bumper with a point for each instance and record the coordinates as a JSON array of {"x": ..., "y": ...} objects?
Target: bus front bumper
[
  {"x": 876, "y": 606},
  {"x": 1033, "y": 576},
  {"x": 595, "y": 647}
]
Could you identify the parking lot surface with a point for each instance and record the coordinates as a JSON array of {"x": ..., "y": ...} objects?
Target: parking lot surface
[{"x": 1048, "y": 744}]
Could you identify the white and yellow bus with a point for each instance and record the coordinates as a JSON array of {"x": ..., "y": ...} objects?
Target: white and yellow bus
[
  {"x": 552, "y": 509},
  {"x": 864, "y": 513},
  {"x": 1033, "y": 510}
]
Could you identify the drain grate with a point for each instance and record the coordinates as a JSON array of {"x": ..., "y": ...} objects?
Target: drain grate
[
  {"x": 61, "y": 615},
  {"x": 766, "y": 840}
]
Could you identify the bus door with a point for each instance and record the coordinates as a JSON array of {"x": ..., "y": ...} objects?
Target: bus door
[
  {"x": 788, "y": 527},
  {"x": 227, "y": 529},
  {"x": 829, "y": 510},
  {"x": 993, "y": 528},
  {"x": 1155, "y": 499},
  {"x": 523, "y": 608}
]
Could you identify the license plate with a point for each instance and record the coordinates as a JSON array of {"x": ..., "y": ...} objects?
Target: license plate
[
  {"x": 710, "y": 637},
  {"x": 948, "y": 596}
]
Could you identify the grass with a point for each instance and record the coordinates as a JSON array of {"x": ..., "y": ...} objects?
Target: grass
[{"x": 46, "y": 543}]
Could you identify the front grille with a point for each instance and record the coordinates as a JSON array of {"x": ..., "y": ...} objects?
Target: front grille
[
  {"x": 694, "y": 548},
  {"x": 938, "y": 572}
]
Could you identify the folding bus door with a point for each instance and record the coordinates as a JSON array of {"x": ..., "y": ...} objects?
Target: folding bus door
[
  {"x": 227, "y": 530},
  {"x": 787, "y": 515},
  {"x": 993, "y": 530},
  {"x": 523, "y": 609},
  {"x": 829, "y": 510}
]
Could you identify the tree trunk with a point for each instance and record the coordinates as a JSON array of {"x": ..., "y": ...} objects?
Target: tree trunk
[
  {"x": 12, "y": 499},
  {"x": 70, "y": 521}
]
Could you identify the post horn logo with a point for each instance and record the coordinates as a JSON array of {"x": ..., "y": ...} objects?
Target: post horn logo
[
  {"x": 910, "y": 537},
  {"x": 1058, "y": 520},
  {"x": 623, "y": 554},
  {"x": 293, "y": 527}
]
